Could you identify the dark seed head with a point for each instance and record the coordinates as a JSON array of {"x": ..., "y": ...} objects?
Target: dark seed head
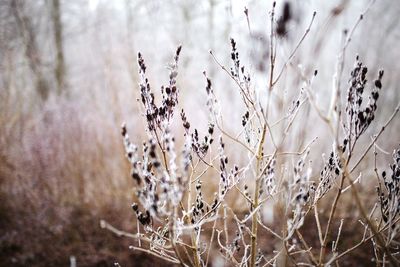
[{"x": 378, "y": 84}]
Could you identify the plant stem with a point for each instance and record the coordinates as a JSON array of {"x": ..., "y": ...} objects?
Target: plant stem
[
  {"x": 254, "y": 224},
  {"x": 331, "y": 215}
]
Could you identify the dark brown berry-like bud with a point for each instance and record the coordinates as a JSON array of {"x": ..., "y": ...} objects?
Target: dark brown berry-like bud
[
  {"x": 135, "y": 207},
  {"x": 378, "y": 84}
]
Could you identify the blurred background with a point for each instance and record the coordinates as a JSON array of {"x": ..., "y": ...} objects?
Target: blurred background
[{"x": 68, "y": 79}]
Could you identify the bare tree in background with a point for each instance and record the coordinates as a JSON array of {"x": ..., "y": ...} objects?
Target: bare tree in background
[
  {"x": 211, "y": 29},
  {"x": 30, "y": 43},
  {"x": 130, "y": 36},
  {"x": 58, "y": 39}
]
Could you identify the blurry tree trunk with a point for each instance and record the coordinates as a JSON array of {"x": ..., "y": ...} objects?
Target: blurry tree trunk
[
  {"x": 32, "y": 54},
  {"x": 129, "y": 40},
  {"x": 186, "y": 8},
  {"x": 211, "y": 63},
  {"x": 229, "y": 19},
  {"x": 228, "y": 26},
  {"x": 58, "y": 39}
]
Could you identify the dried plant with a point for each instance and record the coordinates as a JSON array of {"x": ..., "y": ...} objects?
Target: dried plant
[
  {"x": 389, "y": 200},
  {"x": 182, "y": 223}
]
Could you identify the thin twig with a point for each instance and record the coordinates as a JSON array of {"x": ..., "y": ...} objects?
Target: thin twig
[{"x": 295, "y": 49}]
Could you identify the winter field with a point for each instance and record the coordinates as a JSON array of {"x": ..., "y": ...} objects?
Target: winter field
[{"x": 199, "y": 133}]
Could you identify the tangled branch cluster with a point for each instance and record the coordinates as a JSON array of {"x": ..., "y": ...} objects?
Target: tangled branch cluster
[{"x": 192, "y": 200}]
